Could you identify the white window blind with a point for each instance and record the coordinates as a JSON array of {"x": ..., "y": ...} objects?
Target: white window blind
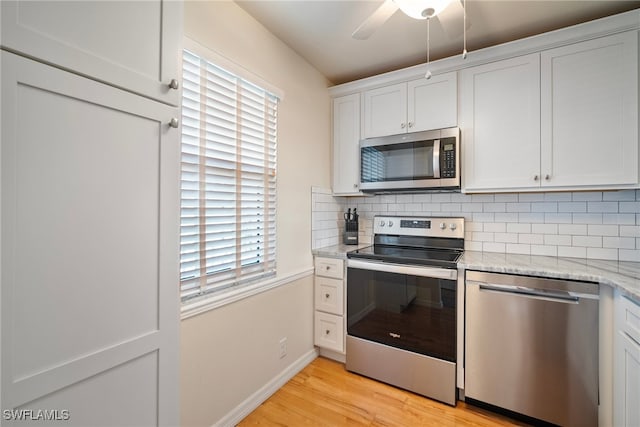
[{"x": 228, "y": 185}]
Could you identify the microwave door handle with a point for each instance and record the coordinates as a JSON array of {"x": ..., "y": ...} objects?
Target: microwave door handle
[{"x": 436, "y": 158}]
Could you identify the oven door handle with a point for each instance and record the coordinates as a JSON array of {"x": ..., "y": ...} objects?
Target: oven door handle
[{"x": 422, "y": 271}]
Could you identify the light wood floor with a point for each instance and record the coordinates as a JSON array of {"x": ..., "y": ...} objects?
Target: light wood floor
[{"x": 325, "y": 394}]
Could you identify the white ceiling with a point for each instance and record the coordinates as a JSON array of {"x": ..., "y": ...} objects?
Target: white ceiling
[{"x": 320, "y": 30}]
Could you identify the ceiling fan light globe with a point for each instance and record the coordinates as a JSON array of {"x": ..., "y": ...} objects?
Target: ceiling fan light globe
[{"x": 422, "y": 9}]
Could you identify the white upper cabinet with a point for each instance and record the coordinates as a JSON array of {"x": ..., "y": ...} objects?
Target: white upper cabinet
[
  {"x": 346, "y": 137},
  {"x": 500, "y": 124},
  {"x": 565, "y": 118},
  {"x": 385, "y": 111},
  {"x": 433, "y": 103},
  {"x": 590, "y": 113},
  {"x": 134, "y": 45},
  {"x": 411, "y": 107}
]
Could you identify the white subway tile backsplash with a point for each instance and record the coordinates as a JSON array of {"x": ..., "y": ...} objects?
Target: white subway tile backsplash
[
  {"x": 572, "y": 252},
  {"x": 573, "y": 229},
  {"x": 572, "y": 207},
  {"x": 493, "y": 247},
  {"x": 558, "y": 218},
  {"x": 513, "y": 248},
  {"x": 557, "y": 240},
  {"x": 587, "y": 241},
  {"x": 544, "y": 207},
  {"x": 531, "y": 197},
  {"x": 506, "y": 237},
  {"x": 586, "y": 196},
  {"x": 544, "y": 250},
  {"x": 602, "y": 230},
  {"x": 610, "y": 207},
  {"x": 621, "y": 195},
  {"x": 619, "y": 242},
  {"x": 519, "y": 228},
  {"x": 595, "y": 224},
  {"x": 496, "y": 227},
  {"x": 544, "y": 228},
  {"x": 587, "y": 218},
  {"x": 602, "y": 253}
]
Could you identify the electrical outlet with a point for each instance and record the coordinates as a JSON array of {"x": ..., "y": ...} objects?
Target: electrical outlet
[{"x": 283, "y": 347}]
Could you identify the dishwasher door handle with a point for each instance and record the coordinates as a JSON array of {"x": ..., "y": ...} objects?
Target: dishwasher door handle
[{"x": 561, "y": 296}]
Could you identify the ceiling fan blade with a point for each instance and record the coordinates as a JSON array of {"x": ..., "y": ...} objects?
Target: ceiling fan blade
[
  {"x": 452, "y": 19},
  {"x": 375, "y": 20}
]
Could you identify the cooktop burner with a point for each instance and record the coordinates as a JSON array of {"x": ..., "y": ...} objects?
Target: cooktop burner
[
  {"x": 431, "y": 241},
  {"x": 400, "y": 255}
]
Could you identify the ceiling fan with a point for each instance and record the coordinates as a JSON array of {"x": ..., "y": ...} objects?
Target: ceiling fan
[{"x": 450, "y": 13}]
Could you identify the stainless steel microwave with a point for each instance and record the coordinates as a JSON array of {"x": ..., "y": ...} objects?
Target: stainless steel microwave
[{"x": 411, "y": 162}]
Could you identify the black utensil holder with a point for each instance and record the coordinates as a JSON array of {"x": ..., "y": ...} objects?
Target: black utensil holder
[{"x": 350, "y": 236}]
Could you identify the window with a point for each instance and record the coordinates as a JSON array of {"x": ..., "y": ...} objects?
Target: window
[{"x": 228, "y": 181}]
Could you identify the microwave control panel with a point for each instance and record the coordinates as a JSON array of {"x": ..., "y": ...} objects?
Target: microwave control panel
[{"x": 448, "y": 158}]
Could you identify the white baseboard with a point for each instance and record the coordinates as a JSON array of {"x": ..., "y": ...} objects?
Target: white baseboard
[{"x": 257, "y": 398}]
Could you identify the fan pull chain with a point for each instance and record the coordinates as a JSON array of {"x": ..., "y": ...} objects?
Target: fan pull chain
[
  {"x": 428, "y": 74},
  {"x": 464, "y": 29}
]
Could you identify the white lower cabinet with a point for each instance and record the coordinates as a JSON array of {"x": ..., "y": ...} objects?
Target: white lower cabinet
[
  {"x": 329, "y": 323},
  {"x": 626, "y": 374}
]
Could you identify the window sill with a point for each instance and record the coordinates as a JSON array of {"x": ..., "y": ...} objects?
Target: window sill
[{"x": 211, "y": 302}]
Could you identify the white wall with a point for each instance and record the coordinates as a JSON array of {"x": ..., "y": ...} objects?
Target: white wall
[{"x": 230, "y": 352}]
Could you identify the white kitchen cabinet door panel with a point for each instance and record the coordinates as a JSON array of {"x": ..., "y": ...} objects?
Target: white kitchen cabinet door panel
[
  {"x": 385, "y": 111},
  {"x": 433, "y": 103},
  {"x": 626, "y": 380},
  {"x": 589, "y": 104},
  {"x": 89, "y": 180},
  {"x": 346, "y": 150},
  {"x": 500, "y": 124},
  {"x": 130, "y": 44},
  {"x": 106, "y": 399}
]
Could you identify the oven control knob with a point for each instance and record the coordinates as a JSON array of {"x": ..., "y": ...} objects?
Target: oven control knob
[
  {"x": 390, "y": 223},
  {"x": 443, "y": 226},
  {"x": 452, "y": 226},
  {"x": 381, "y": 223}
]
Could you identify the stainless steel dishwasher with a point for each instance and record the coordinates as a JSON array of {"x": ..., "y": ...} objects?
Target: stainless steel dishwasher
[{"x": 531, "y": 346}]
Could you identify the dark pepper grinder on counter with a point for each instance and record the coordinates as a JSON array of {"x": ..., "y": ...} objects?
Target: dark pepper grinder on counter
[{"x": 350, "y": 236}]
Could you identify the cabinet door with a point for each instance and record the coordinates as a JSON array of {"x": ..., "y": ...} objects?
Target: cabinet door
[
  {"x": 385, "y": 111},
  {"x": 626, "y": 386},
  {"x": 134, "y": 45},
  {"x": 89, "y": 180},
  {"x": 500, "y": 125},
  {"x": 433, "y": 103},
  {"x": 329, "y": 331},
  {"x": 329, "y": 295},
  {"x": 590, "y": 112},
  {"x": 346, "y": 151}
]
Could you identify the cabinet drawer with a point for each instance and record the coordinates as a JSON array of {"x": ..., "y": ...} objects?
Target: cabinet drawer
[
  {"x": 329, "y": 331},
  {"x": 329, "y": 267},
  {"x": 329, "y": 295},
  {"x": 629, "y": 320}
]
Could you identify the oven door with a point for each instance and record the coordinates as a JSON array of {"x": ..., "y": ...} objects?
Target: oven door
[{"x": 408, "y": 307}]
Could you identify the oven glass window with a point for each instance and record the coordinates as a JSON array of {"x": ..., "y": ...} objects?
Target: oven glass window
[
  {"x": 397, "y": 162},
  {"x": 413, "y": 313}
]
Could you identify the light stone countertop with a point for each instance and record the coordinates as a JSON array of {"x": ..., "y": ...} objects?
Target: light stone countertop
[{"x": 621, "y": 275}]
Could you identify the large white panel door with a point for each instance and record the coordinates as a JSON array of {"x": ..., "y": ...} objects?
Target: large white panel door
[
  {"x": 590, "y": 112},
  {"x": 89, "y": 253},
  {"x": 500, "y": 124},
  {"x": 346, "y": 150},
  {"x": 131, "y": 44}
]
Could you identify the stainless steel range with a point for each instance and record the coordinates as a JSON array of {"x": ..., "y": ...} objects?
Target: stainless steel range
[{"x": 401, "y": 304}]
